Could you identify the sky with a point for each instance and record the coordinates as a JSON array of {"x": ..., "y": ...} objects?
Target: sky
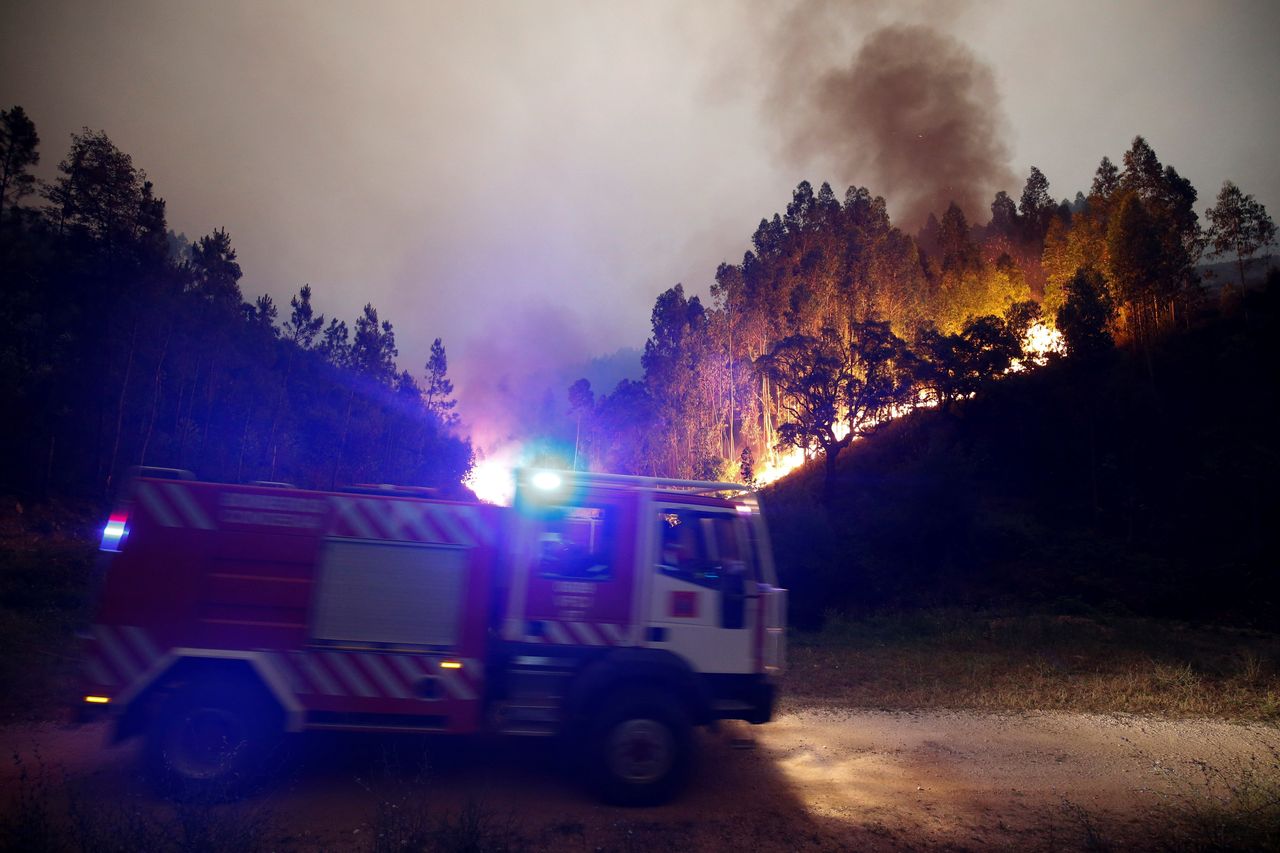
[{"x": 522, "y": 179}]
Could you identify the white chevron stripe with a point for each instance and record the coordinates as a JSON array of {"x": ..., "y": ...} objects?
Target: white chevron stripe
[
  {"x": 470, "y": 518},
  {"x": 411, "y": 516},
  {"x": 180, "y": 496},
  {"x": 141, "y": 643},
  {"x": 348, "y": 676},
  {"x": 116, "y": 652},
  {"x": 347, "y": 511},
  {"x": 586, "y": 634},
  {"x": 456, "y": 685},
  {"x": 315, "y": 671},
  {"x": 281, "y": 662},
  {"x": 372, "y": 511},
  {"x": 556, "y": 633},
  {"x": 98, "y": 673},
  {"x": 390, "y": 685},
  {"x": 443, "y": 516},
  {"x": 156, "y": 506},
  {"x": 410, "y": 668},
  {"x": 613, "y": 634}
]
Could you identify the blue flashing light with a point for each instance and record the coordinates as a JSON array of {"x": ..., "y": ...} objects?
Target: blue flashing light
[
  {"x": 114, "y": 533},
  {"x": 548, "y": 481}
]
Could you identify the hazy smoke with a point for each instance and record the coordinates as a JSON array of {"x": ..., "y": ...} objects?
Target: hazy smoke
[{"x": 915, "y": 116}]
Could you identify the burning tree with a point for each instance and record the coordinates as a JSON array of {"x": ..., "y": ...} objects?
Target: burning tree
[{"x": 834, "y": 392}]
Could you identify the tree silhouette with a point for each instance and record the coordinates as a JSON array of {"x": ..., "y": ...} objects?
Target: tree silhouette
[
  {"x": 19, "y": 144},
  {"x": 1085, "y": 315},
  {"x": 1238, "y": 223},
  {"x": 437, "y": 394}
]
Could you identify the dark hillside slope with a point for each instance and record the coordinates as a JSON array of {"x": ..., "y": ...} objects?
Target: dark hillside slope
[{"x": 1145, "y": 485}]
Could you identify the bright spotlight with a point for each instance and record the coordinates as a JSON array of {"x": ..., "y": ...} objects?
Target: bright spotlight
[{"x": 546, "y": 480}]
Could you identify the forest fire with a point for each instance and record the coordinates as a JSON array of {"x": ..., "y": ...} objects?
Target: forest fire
[
  {"x": 492, "y": 478},
  {"x": 1039, "y": 343}
]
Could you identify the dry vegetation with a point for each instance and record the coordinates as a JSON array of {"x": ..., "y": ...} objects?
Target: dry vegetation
[{"x": 955, "y": 659}]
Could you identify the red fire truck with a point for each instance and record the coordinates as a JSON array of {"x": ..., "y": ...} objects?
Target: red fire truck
[{"x": 617, "y": 611}]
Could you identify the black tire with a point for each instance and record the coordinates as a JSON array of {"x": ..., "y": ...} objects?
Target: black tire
[
  {"x": 641, "y": 747},
  {"x": 213, "y": 741}
]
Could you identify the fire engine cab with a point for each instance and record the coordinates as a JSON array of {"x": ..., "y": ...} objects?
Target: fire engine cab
[{"x": 616, "y": 611}]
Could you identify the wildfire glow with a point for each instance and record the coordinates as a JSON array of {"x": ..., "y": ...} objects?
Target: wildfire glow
[
  {"x": 492, "y": 478},
  {"x": 1038, "y": 344}
]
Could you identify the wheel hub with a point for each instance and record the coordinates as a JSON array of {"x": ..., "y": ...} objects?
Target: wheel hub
[{"x": 641, "y": 751}]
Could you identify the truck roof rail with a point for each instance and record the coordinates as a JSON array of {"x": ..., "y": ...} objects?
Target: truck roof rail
[
  {"x": 696, "y": 487},
  {"x": 161, "y": 473}
]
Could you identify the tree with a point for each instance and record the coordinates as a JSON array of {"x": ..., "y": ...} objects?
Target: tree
[
  {"x": 18, "y": 153},
  {"x": 438, "y": 389},
  {"x": 261, "y": 315},
  {"x": 1134, "y": 251},
  {"x": 334, "y": 344},
  {"x": 373, "y": 347},
  {"x": 1105, "y": 181},
  {"x": 581, "y": 402},
  {"x": 215, "y": 273},
  {"x": 303, "y": 324},
  {"x": 1239, "y": 224},
  {"x": 1036, "y": 205},
  {"x": 835, "y": 393},
  {"x": 1085, "y": 315},
  {"x": 813, "y": 376},
  {"x": 98, "y": 191},
  {"x": 1004, "y": 215}
]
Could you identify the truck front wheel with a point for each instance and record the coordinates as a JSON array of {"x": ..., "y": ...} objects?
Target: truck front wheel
[
  {"x": 212, "y": 741},
  {"x": 641, "y": 748}
]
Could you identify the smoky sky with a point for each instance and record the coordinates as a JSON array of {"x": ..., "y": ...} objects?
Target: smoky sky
[
  {"x": 917, "y": 113},
  {"x": 522, "y": 179}
]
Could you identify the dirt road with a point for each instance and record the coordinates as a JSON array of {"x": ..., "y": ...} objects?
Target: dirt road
[{"x": 816, "y": 779}]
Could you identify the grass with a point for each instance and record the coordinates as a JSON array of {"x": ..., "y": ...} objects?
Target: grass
[
  {"x": 46, "y": 564},
  {"x": 995, "y": 663}
]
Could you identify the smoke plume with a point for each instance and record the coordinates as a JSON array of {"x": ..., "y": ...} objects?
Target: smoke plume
[{"x": 915, "y": 116}]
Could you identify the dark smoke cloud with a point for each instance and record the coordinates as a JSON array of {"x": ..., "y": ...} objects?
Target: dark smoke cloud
[{"x": 915, "y": 115}]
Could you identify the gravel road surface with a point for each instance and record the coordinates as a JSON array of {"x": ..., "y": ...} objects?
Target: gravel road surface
[{"x": 817, "y": 779}]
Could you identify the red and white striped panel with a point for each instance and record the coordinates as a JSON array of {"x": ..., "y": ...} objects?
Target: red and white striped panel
[
  {"x": 171, "y": 504},
  {"x": 580, "y": 634},
  {"x": 370, "y": 675},
  {"x": 409, "y": 521},
  {"x": 119, "y": 655}
]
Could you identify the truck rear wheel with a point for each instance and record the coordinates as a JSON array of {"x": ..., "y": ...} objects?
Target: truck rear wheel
[
  {"x": 642, "y": 748},
  {"x": 212, "y": 741}
]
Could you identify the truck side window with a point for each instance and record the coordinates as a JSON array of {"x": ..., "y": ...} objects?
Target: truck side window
[
  {"x": 577, "y": 542},
  {"x": 702, "y": 547}
]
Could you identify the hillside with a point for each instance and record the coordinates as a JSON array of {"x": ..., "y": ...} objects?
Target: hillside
[{"x": 1140, "y": 483}]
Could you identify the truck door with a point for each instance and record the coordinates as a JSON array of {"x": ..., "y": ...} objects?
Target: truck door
[
  {"x": 704, "y": 605},
  {"x": 574, "y": 573}
]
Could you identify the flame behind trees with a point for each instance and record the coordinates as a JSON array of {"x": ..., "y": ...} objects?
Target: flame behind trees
[{"x": 782, "y": 364}]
